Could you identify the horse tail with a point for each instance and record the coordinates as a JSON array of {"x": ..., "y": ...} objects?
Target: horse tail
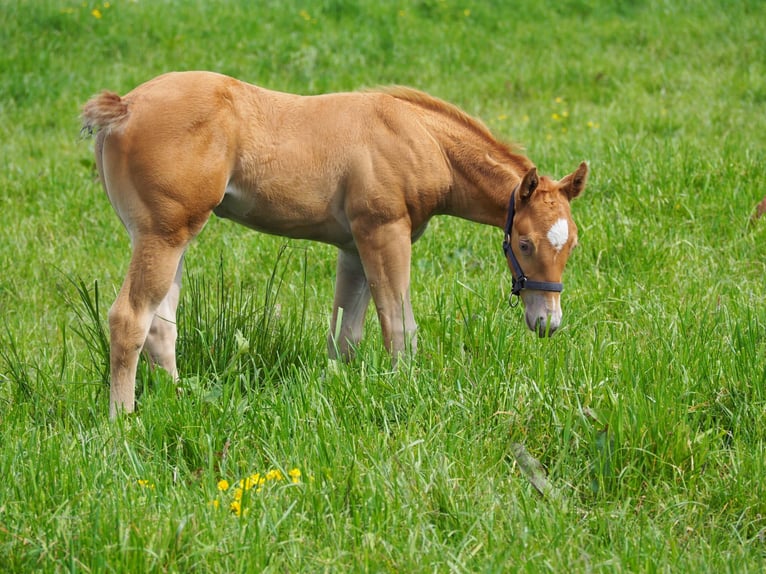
[{"x": 106, "y": 111}]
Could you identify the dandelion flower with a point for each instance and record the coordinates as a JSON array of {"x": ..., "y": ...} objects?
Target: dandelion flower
[
  {"x": 223, "y": 485},
  {"x": 295, "y": 475},
  {"x": 96, "y": 13},
  {"x": 145, "y": 483},
  {"x": 236, "y": 507}
]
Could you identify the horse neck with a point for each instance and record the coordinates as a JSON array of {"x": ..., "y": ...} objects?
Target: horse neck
[
  {"x": 484, "y": 170},
  {"x": 485, "y": 173}
]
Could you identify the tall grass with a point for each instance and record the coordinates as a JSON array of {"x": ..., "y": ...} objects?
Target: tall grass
[{"x": 643, "y": 417}]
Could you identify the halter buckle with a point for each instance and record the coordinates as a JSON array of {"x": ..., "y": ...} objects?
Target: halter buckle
[{"x": 519, "y": 284}]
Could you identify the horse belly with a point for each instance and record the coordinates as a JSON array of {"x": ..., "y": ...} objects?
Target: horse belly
[{"x": 305, "y": 217}]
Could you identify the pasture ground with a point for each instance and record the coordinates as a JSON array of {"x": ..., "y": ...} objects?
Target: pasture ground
[{"x": 646, "y": 409}]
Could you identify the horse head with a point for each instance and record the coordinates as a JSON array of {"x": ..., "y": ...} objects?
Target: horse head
[{"x": 539, "y": 237}]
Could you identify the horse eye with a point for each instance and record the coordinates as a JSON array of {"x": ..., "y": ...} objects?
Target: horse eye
[{"x": 525, "y": 245}]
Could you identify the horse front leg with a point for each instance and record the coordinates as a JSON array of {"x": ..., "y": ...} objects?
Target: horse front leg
[
  {"x": 386, "y": 252},
  {"x": 352, "y": 297}
]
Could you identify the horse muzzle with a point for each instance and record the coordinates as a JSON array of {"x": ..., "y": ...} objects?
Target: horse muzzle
[{"x": 542, "y": 312}]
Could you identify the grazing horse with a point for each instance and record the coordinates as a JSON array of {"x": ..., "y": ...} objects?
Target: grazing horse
[{"x": 363, "y": 171}]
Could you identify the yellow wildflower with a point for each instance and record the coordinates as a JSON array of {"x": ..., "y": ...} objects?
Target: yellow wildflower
[
  {"x": 145, "y": 483},
  {"x": 254, "y": 480},
  {"x": 235, "y": 507},
  {"x": 295, "y": 475},
  {"x": 215, "y": 503},
  {"x": 223, "y": 485},
  {"x": 96, "y": 13},
  {"x": 274, "y": 474}
]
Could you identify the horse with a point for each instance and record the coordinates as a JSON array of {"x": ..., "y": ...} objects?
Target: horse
[{"x": 363, "y": 171}]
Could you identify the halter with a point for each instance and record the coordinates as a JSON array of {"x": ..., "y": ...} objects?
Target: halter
[{"x": 520, "y": 281}]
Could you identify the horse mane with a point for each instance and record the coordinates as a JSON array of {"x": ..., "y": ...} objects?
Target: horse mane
[{"x": 441, "y": 107}]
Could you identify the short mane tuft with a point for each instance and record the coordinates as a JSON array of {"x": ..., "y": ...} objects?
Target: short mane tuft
[{"x": 429, "y": 102}]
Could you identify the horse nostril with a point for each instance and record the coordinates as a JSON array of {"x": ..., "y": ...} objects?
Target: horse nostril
[{"x": 545, "y": 328}]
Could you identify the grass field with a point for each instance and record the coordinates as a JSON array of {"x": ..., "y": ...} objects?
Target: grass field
[{"x": 647, "y": 410}]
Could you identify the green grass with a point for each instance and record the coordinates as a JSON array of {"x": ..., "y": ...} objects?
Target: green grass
[{"x": 647, "y": 410}]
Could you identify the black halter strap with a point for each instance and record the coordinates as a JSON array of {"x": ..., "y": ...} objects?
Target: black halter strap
[{"x": 520, "y": 281}]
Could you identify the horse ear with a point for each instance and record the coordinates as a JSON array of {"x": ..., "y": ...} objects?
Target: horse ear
[
  {"x": 574, "y": 183},
  {"x": 528, "y": 184}
]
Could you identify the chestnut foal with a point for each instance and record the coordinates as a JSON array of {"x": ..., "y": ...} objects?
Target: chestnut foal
[{"x": 362, "y": 171}]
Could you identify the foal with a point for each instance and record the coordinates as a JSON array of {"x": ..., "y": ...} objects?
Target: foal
[{"x": 362, "y": 171}]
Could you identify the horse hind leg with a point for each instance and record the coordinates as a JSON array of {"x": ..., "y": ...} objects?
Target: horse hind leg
[
  {"x": 153, "y": 266},
  {"x": 352, "y": 297},
  {"x": 160, "y": 345}
]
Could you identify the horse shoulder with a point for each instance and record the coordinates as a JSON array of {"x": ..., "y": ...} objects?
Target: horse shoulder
[{"x": 410, "y": 148}]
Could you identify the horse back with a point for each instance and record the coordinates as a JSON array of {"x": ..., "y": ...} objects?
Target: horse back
[{"x": 303, "y": 166}]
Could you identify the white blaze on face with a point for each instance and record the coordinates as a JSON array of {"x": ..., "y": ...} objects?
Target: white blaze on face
[{"x": 558, "y": 234}]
